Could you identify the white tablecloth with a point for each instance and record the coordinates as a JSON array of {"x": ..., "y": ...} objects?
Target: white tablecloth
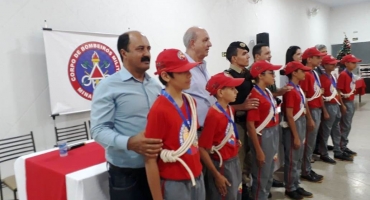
[{"x": 87, "y": 184}]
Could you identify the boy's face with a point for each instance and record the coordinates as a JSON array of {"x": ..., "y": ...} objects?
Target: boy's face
[
  {"x": 330, "y": 68},
  {"x": 268, "y": 77},
  {"x": 350, "y": 65},
  {"x": 181, "y": 80},
  {"x": 315, "y": 60},
  {"x": 228, "y": 94},
  {"x": 299, "y": 74}
]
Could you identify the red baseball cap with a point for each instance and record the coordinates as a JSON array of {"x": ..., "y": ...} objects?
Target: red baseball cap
[
  {"x": 173, "y": 60},
  {"x": 311, "y": 52},
  {"x": 220, "y": 81},
  {"x": 350, "y": 58},
  {"x": 329, "y": 60},
  {"x": 262, "y": 66},
  {"x": 295, "y": 65}
]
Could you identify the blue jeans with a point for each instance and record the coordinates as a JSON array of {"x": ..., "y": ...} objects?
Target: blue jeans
[{"x": 128, "y": 184}]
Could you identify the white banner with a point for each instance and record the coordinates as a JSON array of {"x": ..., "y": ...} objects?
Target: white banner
[{"x": 76, "y": 62}]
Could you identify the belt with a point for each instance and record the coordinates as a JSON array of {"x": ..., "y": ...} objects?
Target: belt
[
  {"x": 126, "y": 170},
  {"x": 200, "y": 128}
]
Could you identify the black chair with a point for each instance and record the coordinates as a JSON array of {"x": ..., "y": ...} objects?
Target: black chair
[
  {"x": 72, "y": 133},
  {"x": 13, "y": 148}
]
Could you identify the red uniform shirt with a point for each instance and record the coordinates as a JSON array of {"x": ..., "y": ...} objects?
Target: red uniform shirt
[
  {"x": 344, "y": 84},
  {"x": 326, "y": 83},
  {"x": 165, "y": 123},
  {"x": 259, "y": 115},
  {"x": 307, "y": 86},
  {"x": 214, "y": 131},
  {"x": 292, "y": 99}
]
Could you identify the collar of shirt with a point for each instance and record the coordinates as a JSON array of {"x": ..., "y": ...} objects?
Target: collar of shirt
[
  {"x": 126, "y": 75},
  {"x": 237, "y": 69}
]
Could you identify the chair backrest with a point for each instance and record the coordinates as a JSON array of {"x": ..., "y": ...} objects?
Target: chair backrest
[
  {"x": 14, "y": 147},
  {"x": 72, "y": 133}
]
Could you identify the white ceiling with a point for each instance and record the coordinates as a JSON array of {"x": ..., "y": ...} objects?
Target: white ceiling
[{"x": 335, "y": 3}]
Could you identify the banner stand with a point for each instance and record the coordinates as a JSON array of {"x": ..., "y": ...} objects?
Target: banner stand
[{"x": 76, "y": 63}]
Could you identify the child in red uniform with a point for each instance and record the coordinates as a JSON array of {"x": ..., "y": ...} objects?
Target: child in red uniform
[
  {"x": 334, "y": 106},
  {"x": 177, "y": 174},
  {"x": 220, "y": 139},
  {"x": 263, "y": 129},
  {"x": 311, "y": 86},
  {"x": 347, "y": 86},
  {"x": 294, "y": 130}
]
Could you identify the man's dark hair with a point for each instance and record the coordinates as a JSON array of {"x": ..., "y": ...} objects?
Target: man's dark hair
[
  {"x": 304, "y": 62},
  {"x": 163, "y": 81},
  {"x": 257, "y": 49},
  {"x": 230, "y": 52},
  {"x": 290, "y": 53},
  {"x": 123, "y": 42}
]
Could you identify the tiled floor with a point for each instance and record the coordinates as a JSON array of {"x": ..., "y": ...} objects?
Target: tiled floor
[{"x": 343, "y": 181}]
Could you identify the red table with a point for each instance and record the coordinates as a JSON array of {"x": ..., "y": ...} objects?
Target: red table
[{"x": 46, "y": 173}]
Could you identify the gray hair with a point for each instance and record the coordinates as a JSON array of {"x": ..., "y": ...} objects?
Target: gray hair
[
  {"x": 189, "y": 35},
  {"x": 320, "y": 47}
]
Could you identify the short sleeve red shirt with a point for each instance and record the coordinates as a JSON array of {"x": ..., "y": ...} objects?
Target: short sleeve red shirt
[
  {"x": 165, "y": 123},
  {"x": 326, "y": 83},
  {"x": 292, "y": 99},
  {"x": 307, "y": 86},
  {"x": 214, "y": 130},
  {"x": 344, "y": 84},
  {"x": 259, "y": 115}
]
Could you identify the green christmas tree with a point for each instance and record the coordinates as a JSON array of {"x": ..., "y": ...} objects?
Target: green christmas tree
[{"x": 346, "y": 48}]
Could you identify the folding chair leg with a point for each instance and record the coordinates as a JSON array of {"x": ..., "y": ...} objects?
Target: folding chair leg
[{"x": 15, "y": 194}]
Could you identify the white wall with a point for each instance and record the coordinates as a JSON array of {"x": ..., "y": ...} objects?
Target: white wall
[
  {"x": 24, "y": 87},
  {"x": 348, "y": 19}
]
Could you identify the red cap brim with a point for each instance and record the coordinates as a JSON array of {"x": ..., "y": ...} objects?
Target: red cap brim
[
  {"x": 184, "y": 68},
  {"x": 275, "y": 67},
  {"x": 355, "y": 60},
  {"x": 334, "y": 62},
  {"x": 320, "y": 54},
  {"x": 358, "y": 60},
  {"x": 305, "y": 68},
  {"x": 234, "y": 82}
]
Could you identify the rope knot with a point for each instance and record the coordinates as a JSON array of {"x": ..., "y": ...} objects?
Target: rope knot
[{"x": 168, "y": 156}]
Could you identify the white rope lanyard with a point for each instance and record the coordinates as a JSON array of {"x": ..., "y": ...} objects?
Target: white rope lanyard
[
  {"x": 230, "y": 132},
  {"x": 173, "y": 156}
]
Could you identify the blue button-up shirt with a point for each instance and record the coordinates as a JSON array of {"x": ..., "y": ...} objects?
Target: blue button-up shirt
[
  {"x": 119, "y": 110},
  {"x": 198, "y": 90}
]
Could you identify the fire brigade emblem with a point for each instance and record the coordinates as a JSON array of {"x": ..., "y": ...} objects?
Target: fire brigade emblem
[{"x": 89, "y": 64}]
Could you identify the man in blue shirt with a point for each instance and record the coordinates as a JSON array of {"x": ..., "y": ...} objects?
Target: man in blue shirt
[
  {"x": 119, "y": 109},
  {"x": 197, "y": 43}
]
